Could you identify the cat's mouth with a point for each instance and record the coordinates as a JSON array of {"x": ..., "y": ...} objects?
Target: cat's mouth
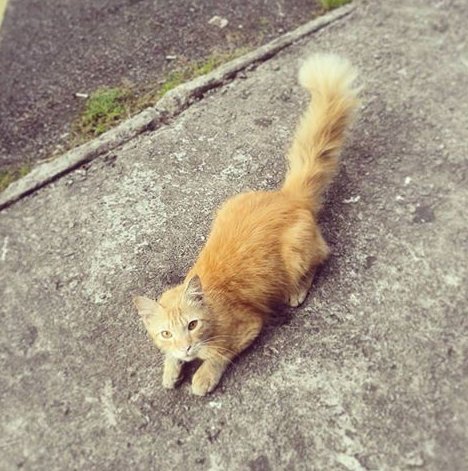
[{"x": 188, "y": 356}]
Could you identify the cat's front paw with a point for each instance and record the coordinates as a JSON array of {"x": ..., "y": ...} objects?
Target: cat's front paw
[
  {"x": 170, "y": 381},
  {"x": 204, "y": 381},
  {"x": 171, "y": 374}
]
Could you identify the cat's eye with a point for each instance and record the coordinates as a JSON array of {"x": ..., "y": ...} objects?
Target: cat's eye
[
  {"x": 192, "y": 325},
  {"x": 165, "y": 334}
]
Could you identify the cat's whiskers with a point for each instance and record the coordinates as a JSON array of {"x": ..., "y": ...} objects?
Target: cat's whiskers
[
  {"x": 211, "y": 343},
  {"x": 218, "y": 347},
  {"x": 223, "y": 357},
  {"x": 219, "y": 336}
]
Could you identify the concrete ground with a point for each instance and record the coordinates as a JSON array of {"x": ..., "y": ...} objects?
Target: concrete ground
[
  {"x": 370, "y": 374},
  {"x": 52, "y": 49}
]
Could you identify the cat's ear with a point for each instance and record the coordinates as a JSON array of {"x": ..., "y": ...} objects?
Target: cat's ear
[
  {"x": 147, "y": 308},
  {"x": 193, "y": 293}
]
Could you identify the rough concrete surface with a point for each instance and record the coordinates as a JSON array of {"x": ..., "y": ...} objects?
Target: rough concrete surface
[{"x": 370, "y": 374}]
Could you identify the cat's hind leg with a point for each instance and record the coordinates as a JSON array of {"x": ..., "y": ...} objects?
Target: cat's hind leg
[
  {"x": 304, "y": 249},
  {"x": 297, "y": 296}
]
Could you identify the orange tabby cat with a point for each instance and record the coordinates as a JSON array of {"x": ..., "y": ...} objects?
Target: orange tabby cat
[{"x": 264, "y": 246}]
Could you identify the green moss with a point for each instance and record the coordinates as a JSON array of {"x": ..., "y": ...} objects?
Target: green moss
[
  {"x": 331, "y": 4},
  {"x": 104, "y": 108},
  {"x": 11, "y": 174},
  {"x": 208, "y": 65},
  {"x": 172, "y": 80}
]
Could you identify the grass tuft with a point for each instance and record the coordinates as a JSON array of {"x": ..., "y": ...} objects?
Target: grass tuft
[
  {"x": 104, "y": 108},
  {"x": 11, "y": 174},
  {"x": 331, "y": 4}
]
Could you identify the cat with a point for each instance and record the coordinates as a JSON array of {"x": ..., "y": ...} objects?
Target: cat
[{"x": 264, "y": 246}]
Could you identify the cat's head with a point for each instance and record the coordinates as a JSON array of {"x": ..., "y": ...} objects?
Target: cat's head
[{"x": 179, "y": 322}]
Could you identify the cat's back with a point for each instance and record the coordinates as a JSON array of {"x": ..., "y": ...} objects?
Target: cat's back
[
  {"x": 253, "y": 213},
  {"x": 251, "y": 225},
  {"x": 244, "y": 252}
]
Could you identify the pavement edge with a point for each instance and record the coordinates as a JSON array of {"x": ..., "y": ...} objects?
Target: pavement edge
[{"x": 172, "y": 104}]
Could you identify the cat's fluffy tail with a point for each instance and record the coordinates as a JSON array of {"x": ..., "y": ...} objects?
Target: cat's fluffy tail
[{"x": 314, "y": 154}]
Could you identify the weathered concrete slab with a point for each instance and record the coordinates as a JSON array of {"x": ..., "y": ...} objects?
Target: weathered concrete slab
[{"x": 370, "y": 374}]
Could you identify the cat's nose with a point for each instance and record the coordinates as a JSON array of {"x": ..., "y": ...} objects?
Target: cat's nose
[{"x": 188, "y": 348}]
